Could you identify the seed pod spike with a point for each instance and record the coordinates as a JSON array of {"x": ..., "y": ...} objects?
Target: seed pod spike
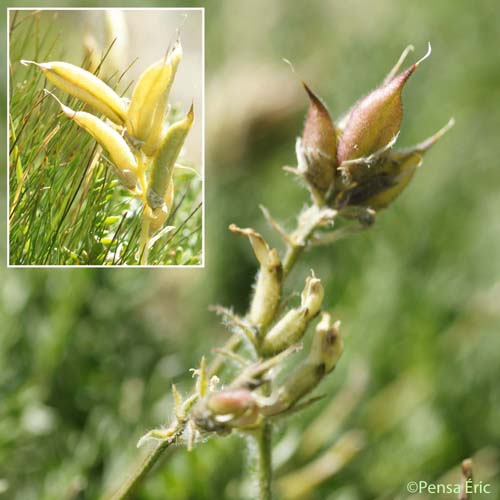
[
  {"x": 84, "y": 86},
  {"x": 376, "y": 119}
]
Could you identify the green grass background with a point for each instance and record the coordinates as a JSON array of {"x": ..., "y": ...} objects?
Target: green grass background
[{"x": 87, "y": 357}]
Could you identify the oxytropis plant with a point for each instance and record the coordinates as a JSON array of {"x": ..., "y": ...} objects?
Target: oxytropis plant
[
  {"x": 142, "y": 145},
  {"x": 351, "y": 171}
]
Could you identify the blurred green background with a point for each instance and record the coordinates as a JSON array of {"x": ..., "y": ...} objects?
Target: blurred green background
[{"x": 87, "y": 357}]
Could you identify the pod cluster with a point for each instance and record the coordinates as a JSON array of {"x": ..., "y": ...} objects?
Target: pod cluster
[
  {"x": 142, "y": 146},
  {"x": 276, "y": 334},
  {"x": 351, "y": 166}
]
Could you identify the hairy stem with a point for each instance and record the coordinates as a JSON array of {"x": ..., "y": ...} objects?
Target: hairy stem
[
  {"x": 133, "y": 481},
  {"x": 308, "y": 222},
  {"x": 263, "y": 460}
]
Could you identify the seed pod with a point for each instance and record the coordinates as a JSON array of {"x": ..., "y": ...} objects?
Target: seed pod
[
  {"x": 157, "y": 219},
  {"x": 374, "y": 121},
  {"x": 108, "y": 138},
  {"x": 267, "y": 294},
  {"x": 326, "y": 349},
  {"x": 169, "y": 196},
  {"x": 392, "y": 175},
  {"x": 316, "y": 152},
  {"x": 327, "y": 345},
  {"x": 158, "y": 215},
  {"x": 234, "y": 407},
  {"x": 292, "y": 326},
  {"x": 150, "y": 96},
  {"x": 128, "y": 178},
  {"x": 158, "y": 124},
  {"x": 230, "y": 401},
  {"x": 84, "y": 86},
  {"x": 164, "y": 161}
]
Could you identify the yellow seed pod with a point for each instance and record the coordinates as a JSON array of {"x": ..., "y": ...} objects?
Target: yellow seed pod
[
  {"x": 169, "y": 196},
  {"x": 158, "y": 124},
  {"x": 158, "y": 216},
  {"x": 157, "y": 219},
  {"x": 84, "y": 86},
  {"x": 128, "y": 178},
  {"x": 109, "y": 139},
  {"x": 150, "y": 93},
  {"x": 164, "y": 161}
]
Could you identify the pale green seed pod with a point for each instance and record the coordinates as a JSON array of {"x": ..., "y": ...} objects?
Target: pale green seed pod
[
  {"x": 327, "y": 345},
  {"x": 84, "y": 86},
  {"x": 292, "y": 326},
  {"x": 164, "y": 161},
  {"x": 150, "y": 96},
  {"x": 267, "y": 296},
  {"x": 326, "y": 349},
  {"x": 118, "y": 150}
]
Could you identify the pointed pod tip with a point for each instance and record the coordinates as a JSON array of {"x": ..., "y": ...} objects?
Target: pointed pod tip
[
  {"x": 177, "y": 45},
  {"x": 42, "y": 66},
  {"x": 190, "y": 113},
  {"x": 426, "y": 55},
  {"x": 403, "y": 77},
  {"x": 428, "y": 143},
  {"x": 65, "y": 109},
  {"x": 312, "y": 96}
]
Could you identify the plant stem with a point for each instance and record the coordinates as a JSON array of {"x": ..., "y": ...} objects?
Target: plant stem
[
  {"x": 309, "y": 220},
  {"x": 129, "y": 486},
  {"x": 264, "y": 462}
]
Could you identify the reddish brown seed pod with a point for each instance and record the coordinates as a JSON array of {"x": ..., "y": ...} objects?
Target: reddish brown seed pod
[{"x": 375, "y": 120}]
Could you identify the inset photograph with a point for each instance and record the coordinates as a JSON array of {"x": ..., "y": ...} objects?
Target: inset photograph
[{"x": 106, "y": 121}]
